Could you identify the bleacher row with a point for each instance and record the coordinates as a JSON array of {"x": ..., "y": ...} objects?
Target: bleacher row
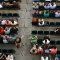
[
  {"x": 40, "y": 13},
  {"x": 45, "y": 33},
  {"x": 46, "y": 0},
  {"x": 9, "y": 15}
]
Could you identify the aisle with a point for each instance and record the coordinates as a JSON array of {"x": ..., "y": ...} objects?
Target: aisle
[{"x": 25, "y": 29}]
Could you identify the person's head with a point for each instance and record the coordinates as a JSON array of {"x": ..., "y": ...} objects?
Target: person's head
[
  {"x": 33, "y": 51},
  {"x": 52, "y": 3}
]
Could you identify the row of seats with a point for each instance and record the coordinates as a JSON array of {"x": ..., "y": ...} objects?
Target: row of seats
[
  {"x": 45, "y": 32},
  {"x": 7, "y": 51},
  {"x": 9, "y": 14},
  {"x": 9, "y": 0},
  {"x": 53, "y": 24},
  {"x": 46, "y": 0},
  {"x": 42, "y": 8},
  {"x": 52, "y": 42}
]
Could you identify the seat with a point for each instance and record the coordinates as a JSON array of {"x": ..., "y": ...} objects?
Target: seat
[
  {"x": 58, "y": 52},
  {"x": 34, "y": 32},
  {"x": 4, "y": 15},
  {"x": 10, "y": 14},
  {"x": 39, "y": 41},
  {"x": 52, "y": 23},
  {"x": 57, "y": 23},
  {"x": 40, "y": 32},
  {"x": 4, "y": 50},
  {"x": 52, "y": 42},
  {"x": 47, "y": 23},
  {"x": 58, "y": 42},
  {"x": 15, "y": 15},
  {"x": 52, "y": 33},
  {"x": 46, "y": 32},
  {"x": 11, "y": 51}
]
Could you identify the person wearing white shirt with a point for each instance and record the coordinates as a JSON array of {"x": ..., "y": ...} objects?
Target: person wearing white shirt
[
  {"x": 52, "y": 5},
  {"x": 42, "y": 58},
  {"x": 48, "y": 0},
  {"x": 47, "y": 6},
  {"x": 3, "y": 22},
  {"x": 46, "y": 41},
  {"x": 57, "y": 14}
]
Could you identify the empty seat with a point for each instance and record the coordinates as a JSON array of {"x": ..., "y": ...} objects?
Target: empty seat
[
  {"x": 40, "y": 32},
  {"x": 15, "y": 15},
  {"x": 4, "y": 50},
  {"x": 39, "y": 41},
  {"x": 4, "y": 15},
  {"x": 34, "y": 32},
  {"x": 57, "y": 23},
  {"x": 46, "y": 32},
  {"x": 58, "y": 52},
  {"x": 10, "y": 14},
  {"x": 52, "y": 33},
  {"x": 52, "y": 23},
  {"x": 58, "y": 42},
  {"x": 47, "y": 23},
  {"x": 52, "y": 42}
]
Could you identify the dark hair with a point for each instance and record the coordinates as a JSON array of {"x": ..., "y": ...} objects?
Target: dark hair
[{"x": 33, "y": 50}]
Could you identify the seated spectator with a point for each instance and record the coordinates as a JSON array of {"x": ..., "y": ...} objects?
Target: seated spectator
[
  {"x": 40, "y": 50},
  {"x": 5, "y": 39},
  {"x": 2, "y": 31},
  {"x": 1, "y": 6},
  {"x": 53, "y": 51},
  {"x": 48, "y": 0},
  {"x": 14, "y": 22},
  {"x": 52, "y": 14},
  {"x": 3, "y": 22},
  {"x": 7, "y": 30},
  {"x": 41, "y": 3},
  {"x": 46, "y": 5},
  {"x": 46, "y": 13},
  {"x": 57, "y": 31},
  {"x": 33, "y": 50},
  {"x": 35, "y": 6},
  {"x": 40, "y": 22},
  {"x": 46, "y": 41},
  {"x": 8, "y": 22},
  {"x": 34, "y": 20},
  {"x": 42, "y": 58},
  {"x": 40, "y": 13},
  {"x": 52, "y": 5},
  {"x": 57, "y": 13}
]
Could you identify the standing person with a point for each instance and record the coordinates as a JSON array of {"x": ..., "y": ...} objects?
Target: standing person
[{"x": 17, "y": 42}]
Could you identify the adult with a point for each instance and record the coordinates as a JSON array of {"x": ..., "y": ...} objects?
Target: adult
[
  {"x": 40, "y": 22},
  {"x": 33, "y": 50},
  {"x": 52, "y": 5},
  {"x": 57, "y": 13}
]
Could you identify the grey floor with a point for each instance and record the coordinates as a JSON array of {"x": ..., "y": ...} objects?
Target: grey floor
[{"x": 25, "y": 29}]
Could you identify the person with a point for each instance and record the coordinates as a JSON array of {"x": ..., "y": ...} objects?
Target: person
[
  {"x": 52, "y": 5},
  {"x": 17, "y": 42},
  {"x": 14, "y": 22},
  {"x": 53, "y": 50},
  {"x": 33, "y": 50},
  {"x": 8, "y": 22},
  {"x": 40, "y": 50},
  {"x": 34, "y": 21},
  {"x": 7, "y": 30},
  {"x": 46, "y": 13},
  {"x": 48, "y": 0},
  {"x": 5, "y": 39},
  {"x": 40, "y": 13},
  {"x": 3, "y": 22},
  {"x": 57, "y": 31},
  {"x": 57, "y": 13},
  {"x": 46, "y": 5},
  {"x": 42, "y": 58},
  {"x": 40, "y": 22},
  {"x": 35, "y": 6},
  {"x": 2, "y": 31}
]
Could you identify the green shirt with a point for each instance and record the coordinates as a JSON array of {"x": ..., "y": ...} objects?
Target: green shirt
[{"x": 46, "y": 14}]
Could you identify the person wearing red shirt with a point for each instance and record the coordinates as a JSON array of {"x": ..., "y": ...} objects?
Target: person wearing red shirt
[
  {"x": 40, "y": 50},
  {"x": 2, "y": 31},
  {"x": 53, "y": 51}
]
